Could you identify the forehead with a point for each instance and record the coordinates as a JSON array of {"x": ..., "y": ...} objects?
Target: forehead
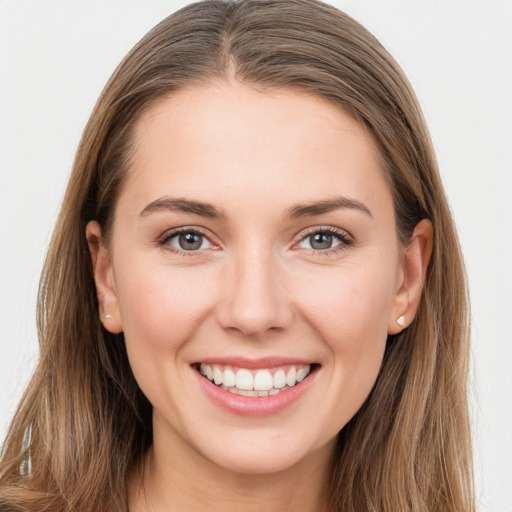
[{"x": 230, "y": 140}]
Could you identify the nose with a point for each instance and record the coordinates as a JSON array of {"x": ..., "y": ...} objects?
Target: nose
[{"x": 254, "y": 297}]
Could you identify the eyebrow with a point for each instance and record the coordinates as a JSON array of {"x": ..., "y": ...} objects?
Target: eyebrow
[
  {"x": 208, "y": 210},
  {"x": 326, "y": 206},
  {"x": 182, "y": 205}
]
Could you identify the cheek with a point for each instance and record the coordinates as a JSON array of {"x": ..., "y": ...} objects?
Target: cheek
[
  {"x": 349, "y": 306},
  {"x": 349, "y": 311},
  {"x": 160, "y": 307}
]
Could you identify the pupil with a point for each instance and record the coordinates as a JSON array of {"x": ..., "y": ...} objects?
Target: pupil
[
  {"x": 321, "y": 241},
  {"x": 190, "y": 241}
]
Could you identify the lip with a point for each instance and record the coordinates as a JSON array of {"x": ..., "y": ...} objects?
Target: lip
[
  {"x": 251, "y": 364},
  {"x": 254, "y": 406}
]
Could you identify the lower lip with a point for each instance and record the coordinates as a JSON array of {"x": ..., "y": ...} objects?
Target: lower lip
[{"x": 254, "y": 406}]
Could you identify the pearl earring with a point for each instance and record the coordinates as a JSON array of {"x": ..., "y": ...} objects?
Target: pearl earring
[
  {"x": 401, "y": 321},
  {"x": 104, "y": 317}
]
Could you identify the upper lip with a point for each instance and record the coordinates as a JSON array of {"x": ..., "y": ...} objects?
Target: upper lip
[{"x": 262, "y": 362}]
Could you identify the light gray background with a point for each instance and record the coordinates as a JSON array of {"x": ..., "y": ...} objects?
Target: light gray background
[{"x": 56, "y": 55}]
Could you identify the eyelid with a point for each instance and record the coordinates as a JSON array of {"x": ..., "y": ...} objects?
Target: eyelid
[
  {"x": 343, "y": 235},
  {"x": 171, "y": 233},
  {"x": 346, "y": 239}
]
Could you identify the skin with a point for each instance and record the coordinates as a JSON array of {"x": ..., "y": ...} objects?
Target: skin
[{"x": 257, "y": 287}]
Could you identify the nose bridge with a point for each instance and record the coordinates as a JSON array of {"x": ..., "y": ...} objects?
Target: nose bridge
[{"x": 255, "y": 300}]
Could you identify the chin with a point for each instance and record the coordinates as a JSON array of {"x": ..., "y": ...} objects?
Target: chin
[
  {"x": 258, "y": 462},
  {"x": 260, "y": 453}
]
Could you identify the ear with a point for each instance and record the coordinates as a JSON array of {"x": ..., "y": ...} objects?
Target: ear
[
  {"x": 104, "y": 279},
  {"x": 414, "y": 265}
]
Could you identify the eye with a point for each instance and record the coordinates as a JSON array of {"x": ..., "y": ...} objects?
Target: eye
[
  {"x": 187, "y": 240},
  {"x": 322, "y": 240}
]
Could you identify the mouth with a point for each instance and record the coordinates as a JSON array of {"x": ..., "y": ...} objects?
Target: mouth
[{"x": 255, "y": 382}]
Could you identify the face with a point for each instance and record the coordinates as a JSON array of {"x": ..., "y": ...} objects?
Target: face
[{"x": 255, "y": 272}]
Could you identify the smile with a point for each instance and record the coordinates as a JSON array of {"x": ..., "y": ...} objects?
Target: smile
[{"x": 254, "y": 382}]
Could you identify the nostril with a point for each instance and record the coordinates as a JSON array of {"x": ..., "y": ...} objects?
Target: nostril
[{"x": 254, "y": 319}]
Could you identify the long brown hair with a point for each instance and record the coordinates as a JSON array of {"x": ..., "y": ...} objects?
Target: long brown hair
[{"x": 408, "y": 448}]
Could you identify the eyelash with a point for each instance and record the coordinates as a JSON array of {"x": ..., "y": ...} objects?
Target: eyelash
[
  {"x": 169, "y": 235},
  {"x": 345, "y": 240}
]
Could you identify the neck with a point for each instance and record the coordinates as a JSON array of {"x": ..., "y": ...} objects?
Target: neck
[{"x": 168, "y": 481}]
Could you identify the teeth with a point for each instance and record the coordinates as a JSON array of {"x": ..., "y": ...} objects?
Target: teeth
[
  {"x": 244, "y": 380},
  {"x": 243, "y": 392},
  {"x": 217, "y": 375},
  {"x": 229, "y": 378},
  {"x": 263, "y": 381},
  {"x": 291, "y": 376},
  {"x": 302, "y": 372},
  {"x": 279, "y": 379},
  {"x": 254, "y": 383}
]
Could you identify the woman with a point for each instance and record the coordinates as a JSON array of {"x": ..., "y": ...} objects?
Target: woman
[{"x": 254, "y": 296}]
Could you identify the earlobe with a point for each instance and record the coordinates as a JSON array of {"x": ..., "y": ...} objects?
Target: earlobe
[
  {"x": 415, "y": 260},
  {"x": 104, "y": 279}
]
